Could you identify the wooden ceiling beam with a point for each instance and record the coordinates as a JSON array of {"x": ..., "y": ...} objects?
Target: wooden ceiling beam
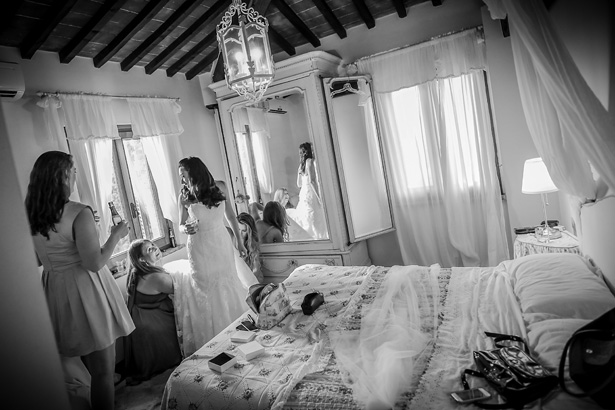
[
  {"x": 277, "y": 38},
  {"x": 145, "y": 15},
  {"x": 202, "y": 65},
  {"x": 160, "y": 34},
  {"x": 93, "y": 27},
  {"x": 296, "y": 21},
  {"x": 189, "y": 56},
  {"x": 365, "y": 14},
  {"x": 328, "y": 14},
  {"x": 207, "y": 18},
  {"x": 57, "y": 11},
  {"x": 400, "y": 7}
]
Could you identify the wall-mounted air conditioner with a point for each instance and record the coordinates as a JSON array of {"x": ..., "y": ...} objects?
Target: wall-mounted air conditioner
[{"x": 12, "y": 85}]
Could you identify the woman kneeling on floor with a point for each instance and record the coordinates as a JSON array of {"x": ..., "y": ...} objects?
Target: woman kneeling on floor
[{"x": 153, "y": 347}]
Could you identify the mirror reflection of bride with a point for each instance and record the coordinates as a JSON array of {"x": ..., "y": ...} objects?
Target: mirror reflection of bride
[{"x": 309, "y": 213}]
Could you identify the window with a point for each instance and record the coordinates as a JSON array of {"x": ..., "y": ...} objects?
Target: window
[
  {"x": 134, "y": 194},
  {"x": 442, "y": 123}
]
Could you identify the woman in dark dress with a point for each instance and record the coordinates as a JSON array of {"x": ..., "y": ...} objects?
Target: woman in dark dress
[{"x": 153, "y": 347}]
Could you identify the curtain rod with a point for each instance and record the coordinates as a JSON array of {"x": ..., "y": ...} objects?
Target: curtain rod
[
  {"x": 58, "y": 93},
  {"x": 478, "y": 28}
]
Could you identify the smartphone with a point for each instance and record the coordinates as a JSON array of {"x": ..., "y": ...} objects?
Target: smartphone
[
  {"x": 246, "y": 325},
  {"x": 470, "y": 396}
]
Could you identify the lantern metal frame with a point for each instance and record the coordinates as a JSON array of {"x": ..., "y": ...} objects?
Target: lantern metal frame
[{"x": 248, "y": 81}]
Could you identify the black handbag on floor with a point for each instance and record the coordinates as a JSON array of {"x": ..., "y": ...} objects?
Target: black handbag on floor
[
  {"x": 512, "y": 372},
  {"x": 591, "y": 355}
]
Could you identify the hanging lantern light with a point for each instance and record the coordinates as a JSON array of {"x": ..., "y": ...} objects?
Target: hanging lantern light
[{"x": 243, "y": 42}]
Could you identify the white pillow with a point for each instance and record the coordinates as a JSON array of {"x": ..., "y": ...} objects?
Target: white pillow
[{"x": 563, "y": 285}]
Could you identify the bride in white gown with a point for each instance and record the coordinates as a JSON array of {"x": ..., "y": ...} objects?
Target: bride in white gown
[
  {"x": 209, "y": 295},
  {"x": 309, "y": 213}
]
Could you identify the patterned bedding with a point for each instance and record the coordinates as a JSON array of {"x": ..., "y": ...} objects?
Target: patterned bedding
[
  {"x": 299, "y": 369},
  {"x": 294, "y": 348}
]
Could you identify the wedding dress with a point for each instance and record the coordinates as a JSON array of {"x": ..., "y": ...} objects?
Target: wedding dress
[
  {"x": 208, "y": 294},
  {"x": 309, "y": 213}
]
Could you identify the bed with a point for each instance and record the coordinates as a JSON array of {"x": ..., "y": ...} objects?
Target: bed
[{"x": 542, "y": 298}]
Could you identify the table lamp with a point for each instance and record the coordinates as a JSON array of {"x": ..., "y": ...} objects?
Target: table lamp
[{"x": 536, "y": 180}]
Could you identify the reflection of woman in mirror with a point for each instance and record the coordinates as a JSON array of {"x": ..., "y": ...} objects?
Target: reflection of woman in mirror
[
  {"x": 283, "y": 197},
  {"x": 273, "y": 227},
  {"x": 249, "y": 237},
  {"x": 295, "y": 231},
  {"x": 309, "y": 212}
]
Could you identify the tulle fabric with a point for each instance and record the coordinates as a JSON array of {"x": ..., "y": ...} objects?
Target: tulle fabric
[{"x": 377, "y": 360}]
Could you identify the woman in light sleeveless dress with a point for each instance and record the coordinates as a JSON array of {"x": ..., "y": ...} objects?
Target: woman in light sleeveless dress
[
  {"x": 211, "y": 296},
  {"x": 309, "y": 213},
  {"x": 86, "y": 307}
]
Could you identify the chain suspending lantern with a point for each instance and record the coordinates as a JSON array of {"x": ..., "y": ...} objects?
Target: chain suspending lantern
[{"x": 243, "y": 42}]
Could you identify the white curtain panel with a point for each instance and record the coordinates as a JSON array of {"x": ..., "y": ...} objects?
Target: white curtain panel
[
  {"x": 94, "y": 162},
  {"x": 154, "y": 117},
  {"x": 156, "y": 122},
  {"x": 88, "y": 117},
  {"x": 568, "y": 124},
  {"x": 260, "y": 144},
  {"x": 53, "y": 120},
  {"x": 439, "y": 145},
  {"x": 90, "y": 127}
]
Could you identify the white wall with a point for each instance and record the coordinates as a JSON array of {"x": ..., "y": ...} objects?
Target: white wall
[{"x": 44, "y": 72}]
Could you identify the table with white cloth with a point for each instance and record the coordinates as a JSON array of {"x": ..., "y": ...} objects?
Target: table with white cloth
[{"x": 528, "y": 244}]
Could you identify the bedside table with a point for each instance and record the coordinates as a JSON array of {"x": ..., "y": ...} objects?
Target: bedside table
[{"x": 528, "y": 245}]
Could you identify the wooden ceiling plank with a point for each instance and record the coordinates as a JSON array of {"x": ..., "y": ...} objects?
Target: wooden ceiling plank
[
  {"x": 297, "y": 22},
  {"x": 93, "y": 27},
  {"x": 160, "y": 34},
  {"x": 328, "y": 14},
  {"x": 145, "y": 15},
  {"x": 52, "y": 18},
  {"x": 277, "y": 38},
  {"x": 365, "y": 14},
  {"x": 209, "y": 16},
  {"x": 261, "y": 6},
  {"x": 189, "y": 56},
  {"x": 9, "y": 8},
  {"x": 401, "y": 8},
  {"x": 202, "y": 65}
]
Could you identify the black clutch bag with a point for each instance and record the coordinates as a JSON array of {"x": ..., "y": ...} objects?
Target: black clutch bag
[{"x": 311, "y": 301}]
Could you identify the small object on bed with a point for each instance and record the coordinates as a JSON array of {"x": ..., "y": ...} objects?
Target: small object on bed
[
  {"x": 251, "y": 350},
  {"x": 311, "y": 302},
  {"x": 222, "y": 362},
  {"x": 243, "y": 336}
]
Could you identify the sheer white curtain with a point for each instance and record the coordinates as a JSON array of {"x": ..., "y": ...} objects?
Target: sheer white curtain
[
  {"x": 568, "y": 124},
  {"x": 156, "y": 122},
  {"x": 438, "y": 141},
  {"x": 90, "y": 127}
]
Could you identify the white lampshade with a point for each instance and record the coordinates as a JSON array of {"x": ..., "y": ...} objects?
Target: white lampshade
[{"x": 536, "y": 178}]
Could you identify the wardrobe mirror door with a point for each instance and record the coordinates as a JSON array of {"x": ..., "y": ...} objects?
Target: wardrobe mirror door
[
  {"x": 273, "y": 142},
  {"x": 359, "y": 155}
]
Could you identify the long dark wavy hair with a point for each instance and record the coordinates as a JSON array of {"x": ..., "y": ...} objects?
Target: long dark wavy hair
[
  {"x": 137, "y": 268},
  {"x": 48, "y": 191},
  {"x": 204, "y": 188},
  {"x": 274, "y": 214},
  {"x": 251, "y": 242},
  {"x": 305, "y": 150}
]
